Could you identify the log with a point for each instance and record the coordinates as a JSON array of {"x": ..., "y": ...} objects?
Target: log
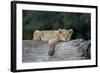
[{"x": 37, "y": 51}]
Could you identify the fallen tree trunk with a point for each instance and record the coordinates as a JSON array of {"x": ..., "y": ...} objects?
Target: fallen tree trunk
[{"x": 37, "y": 51}]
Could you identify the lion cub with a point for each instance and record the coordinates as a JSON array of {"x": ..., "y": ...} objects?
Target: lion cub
[{"x": 53, "y": 37}]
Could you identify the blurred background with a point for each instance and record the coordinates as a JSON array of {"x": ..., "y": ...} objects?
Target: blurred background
[{"x": 49, "y": 20}]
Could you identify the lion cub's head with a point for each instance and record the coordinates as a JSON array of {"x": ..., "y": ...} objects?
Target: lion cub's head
[{"x": 65, "y": 35}]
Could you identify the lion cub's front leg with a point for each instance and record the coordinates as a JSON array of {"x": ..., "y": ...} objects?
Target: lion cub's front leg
[{"x": 52, "y": 44}]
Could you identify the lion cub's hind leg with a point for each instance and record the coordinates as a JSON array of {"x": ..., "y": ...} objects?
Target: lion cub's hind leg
[{"x": 38, "y": 35}]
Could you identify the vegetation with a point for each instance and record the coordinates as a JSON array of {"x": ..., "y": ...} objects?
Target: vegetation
[{"x": 49, "y": 20}]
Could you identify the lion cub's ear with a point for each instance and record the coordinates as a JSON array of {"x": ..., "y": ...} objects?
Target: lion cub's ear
[
  {"x": 60, "y": 30},
  {"x": 70, "y": 31}
]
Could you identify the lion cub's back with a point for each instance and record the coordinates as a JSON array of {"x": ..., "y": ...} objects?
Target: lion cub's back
[{"x": 50, "y": 34}]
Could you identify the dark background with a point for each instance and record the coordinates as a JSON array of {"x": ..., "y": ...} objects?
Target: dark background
[{"x": 49, "y": 20}]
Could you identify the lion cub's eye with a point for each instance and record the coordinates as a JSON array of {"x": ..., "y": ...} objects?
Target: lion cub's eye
[{"x": 64, "y": 34}]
